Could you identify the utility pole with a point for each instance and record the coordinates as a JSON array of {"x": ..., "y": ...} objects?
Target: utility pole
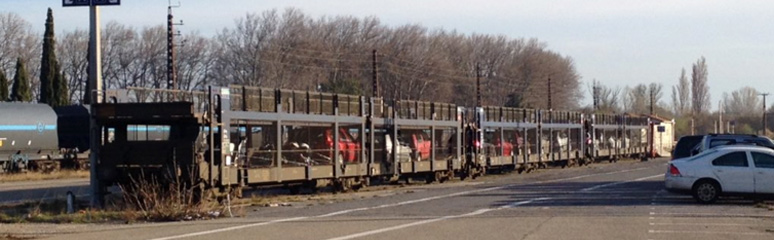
[
  {"x": 171, "y": 66},
  {"x": 595, "y": 93},
  {"x": 376, "y": 77},
  {"x": 549, "y": 95},
  {"x": 651, "y": 101},
  {"x": 764, "y": 112},
  {"x": 478, "y": 85},
  {"x": 720, "y": 117}
]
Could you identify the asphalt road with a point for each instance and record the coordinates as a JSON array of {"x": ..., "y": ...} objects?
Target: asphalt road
[
  {"x": 624, "y": 200},
  {"x": 13, "y": 192}
]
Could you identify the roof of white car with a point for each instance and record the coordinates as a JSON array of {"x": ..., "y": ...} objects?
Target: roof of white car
[{"x": 743, "y": 148}]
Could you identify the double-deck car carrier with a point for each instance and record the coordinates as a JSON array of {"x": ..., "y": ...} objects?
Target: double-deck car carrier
[
  {"x": 232, "y": 137},
  {"x": 223, "y": 139},
  {"x": 619, "y": 135},
  {"x": 525, "y": 139}
]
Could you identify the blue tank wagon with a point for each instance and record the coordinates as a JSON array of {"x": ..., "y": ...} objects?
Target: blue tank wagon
[{"x": 28, "y": 137}]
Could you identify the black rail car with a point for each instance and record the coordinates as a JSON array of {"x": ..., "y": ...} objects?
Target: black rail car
[{"x": 227, "y": 138}]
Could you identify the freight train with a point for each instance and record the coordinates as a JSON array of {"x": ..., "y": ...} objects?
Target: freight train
[
  {"x": 36, "y": 137},
  {"x": 223, "y": 139}
]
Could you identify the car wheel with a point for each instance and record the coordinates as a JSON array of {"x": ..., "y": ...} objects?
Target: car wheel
[{"x": 706, "y": 192}]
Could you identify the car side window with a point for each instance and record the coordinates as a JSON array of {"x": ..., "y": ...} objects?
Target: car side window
[
  {"x": 734, "y": 159},
  {"x": 763, "y": 160}
]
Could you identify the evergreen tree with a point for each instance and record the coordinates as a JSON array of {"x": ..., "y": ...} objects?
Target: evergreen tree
[
  {"x": 48, "y": 72},
  {"x": 61, "y": 93},
  {"x": 3, "y": 87},
  {"x": 21, "y": 85}
]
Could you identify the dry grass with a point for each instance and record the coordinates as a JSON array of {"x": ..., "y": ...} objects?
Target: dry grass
[
  {"x": 36, "y": 176},
  {"x": 14, "y": 237},
  {"x": 143, "y": 200},
  {"x": 170, "y": 199},
  {"x": 55, "y": 212}
]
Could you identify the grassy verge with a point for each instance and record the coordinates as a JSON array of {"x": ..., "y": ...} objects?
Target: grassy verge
[
  {"x": 14, "y": 237},
  {"x": 144, "y": 200},
  {"x": 36, "y": 176},
  {"x": 56, "y": 212}
]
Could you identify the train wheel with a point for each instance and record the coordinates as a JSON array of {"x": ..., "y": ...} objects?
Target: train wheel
[
  {"x": 408, "y": 180},
  {"x": 363, "y": 183},
  {"x": 464, "y": 175},
  {"x": 441, "y": 176},
  {"x": 342, "y": 185},
  {"x": 431, "y": 177},
  {"x": 294, "y": 189}
]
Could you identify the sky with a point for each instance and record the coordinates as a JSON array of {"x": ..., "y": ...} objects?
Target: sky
[{"x": 617, "y": 42}]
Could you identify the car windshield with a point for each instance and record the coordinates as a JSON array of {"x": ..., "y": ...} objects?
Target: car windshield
[{"x": 685, "y": 145}]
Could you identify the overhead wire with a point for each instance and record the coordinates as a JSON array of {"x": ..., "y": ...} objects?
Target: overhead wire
[
  {"x": 452, "y": 71},
  {"x": 314, "y": 67},
  {"x": 315, "y": 50},
  {"x": 340, "y": 59}
]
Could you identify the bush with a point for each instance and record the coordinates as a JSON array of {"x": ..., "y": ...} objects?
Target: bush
[{"x": 156, "y": 201}]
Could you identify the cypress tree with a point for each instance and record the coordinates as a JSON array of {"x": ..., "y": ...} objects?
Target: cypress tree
[
  {"x": 48, "y": 73},
  {"x": 3, "y": 87},
  {"x": 61, "y": 95},
  {"x": 21, "y": 85}
]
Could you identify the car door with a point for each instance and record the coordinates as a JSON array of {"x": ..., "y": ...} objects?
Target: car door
[
  {"x": 763, "y": 172},
  {"x": 734, "y": 172}
]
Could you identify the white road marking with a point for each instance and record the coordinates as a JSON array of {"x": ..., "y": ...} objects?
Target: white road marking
[
  {"x": 710, "y": 232},
  {"x": 388, "y": 205},
  {"x": 618, "y": 183},
  {"x": 688, "y": 214},
  {"x": 232, "y": 228},
  {"x": 702, "y": 224},
  {"x": 477, "y": 212}
]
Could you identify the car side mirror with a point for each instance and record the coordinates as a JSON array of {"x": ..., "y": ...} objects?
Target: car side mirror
[{"x": 694, "y": 152}]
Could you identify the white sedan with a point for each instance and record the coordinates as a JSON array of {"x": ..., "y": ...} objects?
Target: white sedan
[{"x": 737, "y": 169}]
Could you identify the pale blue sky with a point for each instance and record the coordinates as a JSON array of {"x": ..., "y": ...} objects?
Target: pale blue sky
[{"x": 618, "y": 42}]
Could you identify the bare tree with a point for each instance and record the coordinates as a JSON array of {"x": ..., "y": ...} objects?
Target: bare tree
[
  {"x": 73, "y": 56},
  {"x": 292, "y": 50},
  {"x": 18, "y": 40},
  {"x": 638, "y": 99},
  {"x": 681, "y": 95},
  {"x": 655, "y": 93},
  {"x": 120, "y": 56},
  {"x": 742, "y": 102},
  {"x": 240, "y": 57},
  {"x": 194, "y": 61},
  {"x": 700, "y": 102},
  {"x": 608, "y": 98}
]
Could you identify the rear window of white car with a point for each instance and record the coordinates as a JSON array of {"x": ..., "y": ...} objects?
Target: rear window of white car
[
  {"x": 720, "y": 142},
  {"x": 733, "y": 159},
  {"x": 702, "y": 154}
]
